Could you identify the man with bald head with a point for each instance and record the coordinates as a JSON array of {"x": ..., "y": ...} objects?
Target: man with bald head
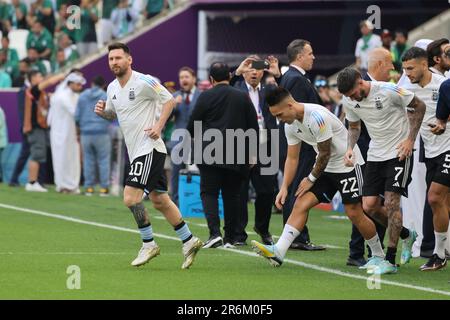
[{"x": 379, "y": 67}]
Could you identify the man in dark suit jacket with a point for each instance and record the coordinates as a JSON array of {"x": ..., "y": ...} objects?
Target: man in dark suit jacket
[
  {"x": 186, "y": 98},
  {"x": 301, "y": 59},
  {"x": 248, "y": 80},
  {"x": 222, "y": 108}
]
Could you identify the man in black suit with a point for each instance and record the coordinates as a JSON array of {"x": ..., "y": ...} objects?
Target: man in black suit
[
  {"x": 248, "y": 80},
  {"x": 301, "y": 59},
  {"x": 222, "y": 108},
  {"x": 379, "y": 68}
]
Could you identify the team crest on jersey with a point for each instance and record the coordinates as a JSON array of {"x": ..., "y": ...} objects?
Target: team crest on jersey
[
  {"x": 132, "y": 95},
  {"x": 435, "y": 95},
  {"x": 378, "y": 103}
]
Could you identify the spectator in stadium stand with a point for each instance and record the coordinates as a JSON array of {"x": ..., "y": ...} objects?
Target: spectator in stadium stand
[
  {"x": 35, "y": 62},
  {"x": 12, "y": 69},
  {"x": 154, "y": 7},
  {"x": 70, "y": 50},
  {"x": 124, "y": 19},
  {"x": 186, "y": 99},
  {"x": 35, "y": 126},
  {"x": 269, "y": 79},
  {"x": 365, "y": 44},
  {"x": 398, "y": 48},
  {"x": 204, "y": 85},
  {"x": 439, "y": 56},
  {"x": 12, "y": 55},
  {"x": 248, "y": 80},
  {"x": 24, "y": 68},
  {"x": 42, "y": 11},
  {"x": 59, "y": 62},
  {"x": 95, "y": 138},
  {"x": 222, "y": 107},
  {"x": 40, "y": 39},
  {"x": 386, "y": 39},
  {"x": 301, "y": 59},
  {"x": 3, "y": 139},
  {"x": 106, "y": 23},
  {"x": 87, "y": 35},
  {"x": 16, "y": 15}
]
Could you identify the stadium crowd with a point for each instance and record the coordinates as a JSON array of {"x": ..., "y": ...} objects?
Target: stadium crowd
[{"x": 51, "y": 45}]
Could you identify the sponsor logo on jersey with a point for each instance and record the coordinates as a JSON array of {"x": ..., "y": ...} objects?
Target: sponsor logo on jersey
[
  {"x": 114, "y": 98},
  {"x": 299, "y": 131},
  {"x": 357, "y": 106}
]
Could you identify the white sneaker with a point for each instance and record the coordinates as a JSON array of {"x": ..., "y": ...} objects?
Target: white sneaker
[
  {"x": 190, "y": 250},
  {"x": 35, "y": 187},
  {"x": 229, "y": 246},
  {"x": 145, "y": 255}
]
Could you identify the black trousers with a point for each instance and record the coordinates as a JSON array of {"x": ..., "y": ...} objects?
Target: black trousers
[
  {"x": 427, "y": 246},
  {"x": 22, "y": 161},
  {"x": 265, "y": 196},
  {"x": 306, "y": 163},
  {"x": 212, "y": 181}
]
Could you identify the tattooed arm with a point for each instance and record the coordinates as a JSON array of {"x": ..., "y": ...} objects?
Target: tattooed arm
[
  {"x": 354, "y": 130},
  {"x": 102, "y": 111},
  {"x": 415, "y": 112}
]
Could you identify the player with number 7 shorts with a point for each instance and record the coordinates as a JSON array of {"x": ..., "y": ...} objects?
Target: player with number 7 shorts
[{"x": 316, "y": 125}]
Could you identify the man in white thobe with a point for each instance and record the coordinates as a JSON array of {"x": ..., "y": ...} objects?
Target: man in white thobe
[{"x": 63, "y": 135}]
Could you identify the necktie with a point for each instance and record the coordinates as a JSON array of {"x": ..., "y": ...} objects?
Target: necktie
[{"x": 187, "y": 100}]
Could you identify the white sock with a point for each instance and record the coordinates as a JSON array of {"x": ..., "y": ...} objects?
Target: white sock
[
  {"x": 287, "y": 237},
  {"x": 440, "y": 242},
  {"x": 149, "y": 244},
  {"x": 375, "y": 246}
]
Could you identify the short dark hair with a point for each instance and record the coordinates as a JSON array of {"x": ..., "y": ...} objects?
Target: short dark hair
[
  {"x": 99, "y": 81},
  {"x": 32, "y": 73},
  {"x": 119, "y": 45},
  {"x": 296, "y": 47},
  {"x": 402, "y": 32},
  {"x": 347, "y": 78},
  {"x": 275, "y": 94},
  {"x": 434, "y": 50},
  {"x": 190, "y": 70},
  {"x": 414, "y": 53},
  {"x": 219, "y": 71}
]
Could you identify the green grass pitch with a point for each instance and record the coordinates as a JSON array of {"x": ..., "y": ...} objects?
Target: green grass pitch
[{"x": 37, "y": 247}]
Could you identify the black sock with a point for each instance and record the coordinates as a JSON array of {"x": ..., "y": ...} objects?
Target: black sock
[
  {"x": 404, "y": 233},
  {"x": 32, "y": 182},
  {"x": 390, "y": 255}
]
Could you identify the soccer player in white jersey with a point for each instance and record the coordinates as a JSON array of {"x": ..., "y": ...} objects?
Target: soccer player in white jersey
[
  {"x": 317, "y": 126},
  {"x": 393, "y": 117},
  {"x": 425, "y": 85},
  {"x": 142, "y": 107}
]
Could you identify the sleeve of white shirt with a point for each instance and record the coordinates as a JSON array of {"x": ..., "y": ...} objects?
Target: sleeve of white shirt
[
  {"x": 157, "y": 90},
  {"x": 109, "y": 104},
  {"x": 321, "y": 126},
  {"x": 400, "y": 97},
  {"x": 291, "y": 138},
  {"x": 349, "y": 114},
  {"x": 358, "y": 48}
]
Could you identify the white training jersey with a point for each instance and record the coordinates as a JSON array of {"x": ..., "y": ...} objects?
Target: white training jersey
[
  {"x": 384, "y": 114},
  {"x": 138, "y": 106},
  {"x": 434, "y": 145},
  {"x": 319, "y": 125}
]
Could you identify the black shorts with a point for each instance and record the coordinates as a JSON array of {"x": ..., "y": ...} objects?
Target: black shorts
[
  {"x": 438, "y": 169},
  {"x": 147, "y": 173},
  {"x": 390, "y": 175},
  {"x": 348, "y": 184}
]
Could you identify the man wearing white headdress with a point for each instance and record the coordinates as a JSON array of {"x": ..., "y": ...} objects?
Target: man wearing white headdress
[{"x": 63, "y": 135}]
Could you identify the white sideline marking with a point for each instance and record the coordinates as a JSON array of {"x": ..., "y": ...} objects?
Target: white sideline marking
[{"x": 248, "y": 253}]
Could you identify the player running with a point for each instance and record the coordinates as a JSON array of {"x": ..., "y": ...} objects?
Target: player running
[
  {"x": 317, "y": 126},
  {"x": 393, "y": 117},
  {"x": 142, "y": 107},
  {"x": 425, "y": 85}
]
